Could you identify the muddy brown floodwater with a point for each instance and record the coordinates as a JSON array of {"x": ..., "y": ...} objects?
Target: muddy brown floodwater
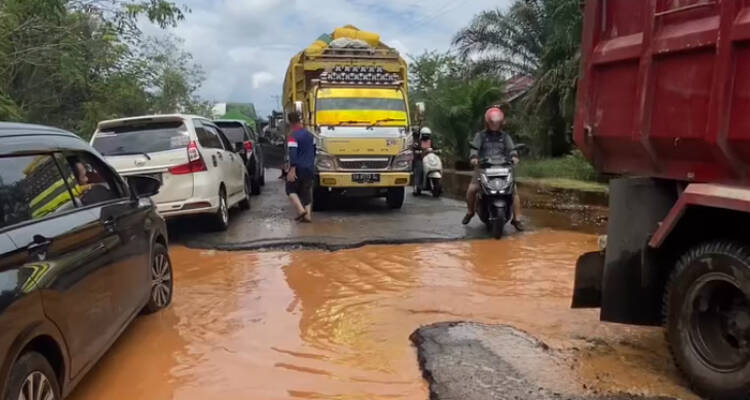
[{"x": 319, "y": 325}]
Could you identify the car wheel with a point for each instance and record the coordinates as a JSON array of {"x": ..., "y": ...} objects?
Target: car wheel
[
  {"x": 32, "y": 378},
  {"x": 245, "y": 203},
  {"x": 162, "y": 280},
  {"x": 707, "y": 319},
  {"x": 255, "y": 186},
  {"x": 221, "y": 219}
]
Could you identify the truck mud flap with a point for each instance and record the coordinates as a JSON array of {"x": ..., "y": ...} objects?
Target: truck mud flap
[{"x": 587, "y": 292}]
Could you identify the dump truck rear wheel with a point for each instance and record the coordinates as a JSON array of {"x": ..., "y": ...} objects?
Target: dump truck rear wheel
[{"x": 707, "y": 319}]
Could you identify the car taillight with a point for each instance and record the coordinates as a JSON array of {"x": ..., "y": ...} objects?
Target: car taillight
[
  {"x": 193, "y": 153},
  {"x": 195, "y": 163},
  {"x": 249, "y": 146}
]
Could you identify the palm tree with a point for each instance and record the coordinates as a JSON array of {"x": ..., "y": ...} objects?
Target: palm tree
[{"x": 539, "y": 38}]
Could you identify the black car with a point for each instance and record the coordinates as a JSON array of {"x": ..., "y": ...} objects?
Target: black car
[
  {"x": 238, "y": 131},
  {"x": 82, "y": 253}
]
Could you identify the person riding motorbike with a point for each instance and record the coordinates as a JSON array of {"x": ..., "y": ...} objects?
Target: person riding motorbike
[
  {"x": 491, "y": 143},
  {"x": 422, "y": 142}
]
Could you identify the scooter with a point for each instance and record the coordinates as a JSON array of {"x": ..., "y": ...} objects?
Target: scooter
[
  {"x": 495, "y": 199},
  {"x": 428, "y": 172}
]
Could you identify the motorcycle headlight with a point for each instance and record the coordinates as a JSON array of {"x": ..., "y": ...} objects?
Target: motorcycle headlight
[
  {"x": 498, "y": 184},
  {"x": 325, "y": 162},
  {"x": 403, "y": 161},
  {"x": 432, "y": 162}
]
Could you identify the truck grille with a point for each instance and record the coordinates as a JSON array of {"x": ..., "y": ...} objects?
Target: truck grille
[{"x": 363, "y": 163}]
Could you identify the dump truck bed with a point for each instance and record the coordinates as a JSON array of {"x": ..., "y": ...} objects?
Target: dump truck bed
[{"x": 665, "y": 89}]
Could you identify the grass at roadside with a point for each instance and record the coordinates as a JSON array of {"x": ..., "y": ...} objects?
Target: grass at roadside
[
  {"x": 564, "y": 183},
  {"x": 569, "y": 172},
  {"x": 573, "y": 166}
]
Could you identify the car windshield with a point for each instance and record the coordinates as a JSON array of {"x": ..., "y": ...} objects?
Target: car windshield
[
  {"x": 143, "y": 138},
  {"x": 234, "y": 132}
]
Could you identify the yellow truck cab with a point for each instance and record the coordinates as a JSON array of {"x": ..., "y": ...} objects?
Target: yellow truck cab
[{"x": 352, "y": 95}]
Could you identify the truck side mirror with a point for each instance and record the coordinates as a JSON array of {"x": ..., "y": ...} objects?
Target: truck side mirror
[
  {"x": 421, "y": 108},
  {"x": 298, "y": 108}
]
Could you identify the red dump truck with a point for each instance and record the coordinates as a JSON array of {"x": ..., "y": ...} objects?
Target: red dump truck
[{"x": 664, "y": 100}]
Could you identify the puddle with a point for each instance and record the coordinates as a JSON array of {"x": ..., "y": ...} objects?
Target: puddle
[{"x": 321, "y": 325}]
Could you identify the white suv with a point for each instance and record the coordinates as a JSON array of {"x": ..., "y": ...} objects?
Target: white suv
[{"x": 199, "y": 169}]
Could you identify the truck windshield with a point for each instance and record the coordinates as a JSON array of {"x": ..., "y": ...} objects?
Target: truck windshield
[{"x": 337, "y": 106}]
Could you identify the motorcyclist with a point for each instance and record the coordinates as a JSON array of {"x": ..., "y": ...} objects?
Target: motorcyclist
[
  {"x": 491, "y": 143},
  {"x": 422, "y": 142}
]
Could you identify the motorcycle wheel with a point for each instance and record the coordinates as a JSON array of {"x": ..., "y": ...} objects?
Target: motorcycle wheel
[
  {"x": 497, "y": 227},
  {"x": 437, "y": 190}
]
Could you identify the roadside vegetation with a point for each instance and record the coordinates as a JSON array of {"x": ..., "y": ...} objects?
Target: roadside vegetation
[
  {"x": 534, "y": 41},
  {"x": 71, "y": 63}
]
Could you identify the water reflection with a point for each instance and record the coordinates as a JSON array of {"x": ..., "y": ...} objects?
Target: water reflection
[{"x": 319, "y": 325}]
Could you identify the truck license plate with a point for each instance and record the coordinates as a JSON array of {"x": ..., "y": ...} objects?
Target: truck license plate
[{"x": 366, "y": 178}]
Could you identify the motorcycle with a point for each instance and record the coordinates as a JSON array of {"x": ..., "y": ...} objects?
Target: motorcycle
[
  {"x": 495, "y": 199},
  {"x": 428, "y": 172}
]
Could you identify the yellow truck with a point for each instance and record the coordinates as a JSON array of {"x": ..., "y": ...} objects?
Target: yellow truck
[{"x": 351, "y": 90}]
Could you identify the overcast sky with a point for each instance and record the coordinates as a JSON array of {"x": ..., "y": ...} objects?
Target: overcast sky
[{"x": 244, "y": 46}]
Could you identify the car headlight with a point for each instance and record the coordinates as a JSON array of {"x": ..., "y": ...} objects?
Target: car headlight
[
  {"x": 325, "y": 162},
  {"x": 403, "y": 161}
]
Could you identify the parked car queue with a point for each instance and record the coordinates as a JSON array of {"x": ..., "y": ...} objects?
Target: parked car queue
[
  {"x": 83, "y": 237},
  {"x": 83, "y": 251},
  {"x": 202, "y": 170}
]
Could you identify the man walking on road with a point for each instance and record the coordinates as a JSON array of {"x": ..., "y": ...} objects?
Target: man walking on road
[{"x": 299, "y": 186}]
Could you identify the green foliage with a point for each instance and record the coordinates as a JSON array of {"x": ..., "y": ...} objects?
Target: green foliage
[
  {"x": 455, "y": 102},
  {"x": 72, "y": 63},
  {"x": 573, "y": 166},
  {"x": 539, "y": 38}
]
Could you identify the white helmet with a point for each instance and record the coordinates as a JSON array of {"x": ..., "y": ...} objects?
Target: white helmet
[{"x": 425, "y": 131}]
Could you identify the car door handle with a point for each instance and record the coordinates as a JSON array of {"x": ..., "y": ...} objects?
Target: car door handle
[
  {"x": 39, "y": 243},
  {"x": 110, "y": 224}
]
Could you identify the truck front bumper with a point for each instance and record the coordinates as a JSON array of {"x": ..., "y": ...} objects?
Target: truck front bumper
[{"x": 345, "y": 180}]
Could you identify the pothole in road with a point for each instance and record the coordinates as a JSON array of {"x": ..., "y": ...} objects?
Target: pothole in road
[{"x": 470, "y": 361}]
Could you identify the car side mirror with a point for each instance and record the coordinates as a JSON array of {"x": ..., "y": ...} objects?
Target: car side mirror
[
  {"x": 144, "y": 186},
  {"x": 239, "y": 147}
]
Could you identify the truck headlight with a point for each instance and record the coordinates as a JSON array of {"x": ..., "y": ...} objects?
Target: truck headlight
[
  {"x": 403, "y": 161},
  {"x": 325, "y": 162}
]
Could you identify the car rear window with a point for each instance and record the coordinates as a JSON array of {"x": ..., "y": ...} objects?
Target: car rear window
[
  {"x": 151, "y": 137},
  {"x": 233, "y": 132}
]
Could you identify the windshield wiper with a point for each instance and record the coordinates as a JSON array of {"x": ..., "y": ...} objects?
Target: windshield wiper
[
  {"x": 135, "y": 153},
  {"x": 352, "y": 122},
  {"x": 386, "y": 120}
]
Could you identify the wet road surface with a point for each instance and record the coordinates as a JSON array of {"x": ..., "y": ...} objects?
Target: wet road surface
[
  {"x": 351, "y": 223},
  {"x": 336, "y": 325}
]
